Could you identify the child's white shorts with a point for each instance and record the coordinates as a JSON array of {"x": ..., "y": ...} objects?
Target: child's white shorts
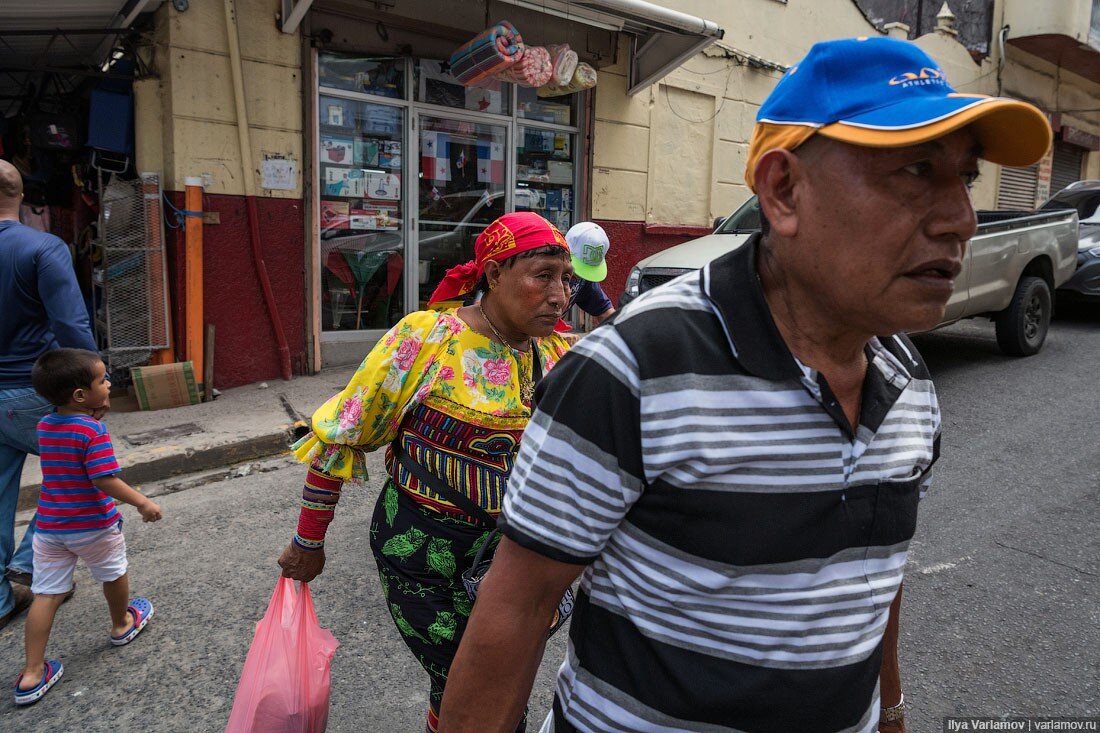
[{"x": 55, "y": 556}]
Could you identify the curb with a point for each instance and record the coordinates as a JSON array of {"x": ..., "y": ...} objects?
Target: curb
[{"x": 159, "y": 469}]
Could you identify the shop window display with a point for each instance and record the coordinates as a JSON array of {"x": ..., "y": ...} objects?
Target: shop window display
[
  {"x": 360, "y": 156},
  {"x": 545, "y": 174},
  {"x": 434, "y": 85},
  {"x": 463, "y": 143},
  {"x": 381, "y": 76},
  {"x": 462, "y": 177},
  {"x": 555, "y": 110}
]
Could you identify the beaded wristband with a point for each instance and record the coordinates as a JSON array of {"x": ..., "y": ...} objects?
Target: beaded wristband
[{"x": 319, "y": 498}]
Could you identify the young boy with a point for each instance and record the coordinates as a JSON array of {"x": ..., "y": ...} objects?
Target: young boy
[{"x": 77, "y": 517}]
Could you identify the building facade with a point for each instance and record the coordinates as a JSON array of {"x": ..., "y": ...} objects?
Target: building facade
[{"x": 372, "y": 168}]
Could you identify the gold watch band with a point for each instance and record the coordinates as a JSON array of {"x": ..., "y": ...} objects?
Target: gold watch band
[{"x": 893, "y": 713}]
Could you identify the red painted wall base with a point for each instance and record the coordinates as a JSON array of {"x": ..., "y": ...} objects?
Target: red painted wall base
[
  {"x": 632, "y": 241},
  {"x": 245, "y": 347}
]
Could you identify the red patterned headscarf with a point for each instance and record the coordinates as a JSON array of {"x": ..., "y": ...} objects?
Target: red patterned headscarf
[{"x": 506, "y": 237}]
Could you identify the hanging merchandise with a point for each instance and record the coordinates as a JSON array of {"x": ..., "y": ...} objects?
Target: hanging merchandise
[
  {"x": 110, "y": 129},
  {"x": 486, "y": 54},
  {"x": 534, "y": 69},
  {"x": 565, "y": 62},
  {"x": 583, "y": 78}
]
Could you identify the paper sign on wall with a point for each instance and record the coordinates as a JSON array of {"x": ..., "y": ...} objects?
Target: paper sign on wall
[{"x": 278, "y": 173}]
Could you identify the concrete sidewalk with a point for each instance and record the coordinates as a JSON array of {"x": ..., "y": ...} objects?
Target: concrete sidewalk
[{"x": 242, "y": 424}]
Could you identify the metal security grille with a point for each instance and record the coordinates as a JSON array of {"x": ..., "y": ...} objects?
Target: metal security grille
[
  {"x": 1066, "y": 166},
  {"x": 1018, "y": 188},
  {"x": 132, "y": 284}
]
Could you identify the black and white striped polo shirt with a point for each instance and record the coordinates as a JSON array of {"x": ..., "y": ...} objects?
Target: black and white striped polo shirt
[{"x": 743, "y": 543}]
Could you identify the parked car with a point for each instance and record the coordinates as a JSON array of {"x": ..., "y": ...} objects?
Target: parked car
[
  {"x": 1084, "y": 198},
  {"x": 1012, "y": 266}
]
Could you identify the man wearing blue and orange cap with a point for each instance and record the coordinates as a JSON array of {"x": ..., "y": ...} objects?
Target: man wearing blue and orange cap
[{"x": 736, "y": 461}]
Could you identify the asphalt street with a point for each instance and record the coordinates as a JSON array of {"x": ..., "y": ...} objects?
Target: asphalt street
[{"x": 1002, "y": 601}]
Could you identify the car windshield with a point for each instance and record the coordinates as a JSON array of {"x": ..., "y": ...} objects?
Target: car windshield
[
  {"x": 745, "y": 219},
  {"x": 1090, "y": 213},
  {"x": 1087, "y": 204}
]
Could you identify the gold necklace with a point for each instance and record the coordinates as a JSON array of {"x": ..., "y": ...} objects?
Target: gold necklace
[{"x": 526, "y": 382}]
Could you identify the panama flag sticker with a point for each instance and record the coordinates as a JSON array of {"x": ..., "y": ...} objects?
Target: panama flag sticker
[
  {"x": 435, "y": 156},
  {"x": 490, "y": 162}
]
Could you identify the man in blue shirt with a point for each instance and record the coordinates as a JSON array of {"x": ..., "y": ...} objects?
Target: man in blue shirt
[
  {"x": 42, "y": 310},
  {"x": 589, "y": 245}
]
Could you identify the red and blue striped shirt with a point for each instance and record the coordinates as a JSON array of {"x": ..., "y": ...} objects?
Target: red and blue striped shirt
[{"x": 74, "y": 450}]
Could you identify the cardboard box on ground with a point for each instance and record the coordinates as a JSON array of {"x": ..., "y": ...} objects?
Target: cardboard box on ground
[{"x": 165, "y": 385}]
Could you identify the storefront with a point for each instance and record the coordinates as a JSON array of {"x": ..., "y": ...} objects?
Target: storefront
[
  {"x": 411, "y": 167},
  {"x": 344, "y": 168},
  {"x": 407, "y": 165}
]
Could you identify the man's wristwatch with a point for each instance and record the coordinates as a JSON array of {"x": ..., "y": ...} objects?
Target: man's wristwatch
[{"x": 893, "y": 713}]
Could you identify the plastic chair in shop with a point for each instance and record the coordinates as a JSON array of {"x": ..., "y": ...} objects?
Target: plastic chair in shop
[{"x": 364, "y": 267}]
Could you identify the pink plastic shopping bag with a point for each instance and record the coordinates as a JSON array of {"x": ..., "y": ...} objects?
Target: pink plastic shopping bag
[{"x": 285, "y": 683}]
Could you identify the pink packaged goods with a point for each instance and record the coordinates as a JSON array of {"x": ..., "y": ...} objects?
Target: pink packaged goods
[{"x": 533, "y": 70}]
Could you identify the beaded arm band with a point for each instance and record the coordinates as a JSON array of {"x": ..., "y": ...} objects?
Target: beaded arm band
[{"x": 319, "y": 498}]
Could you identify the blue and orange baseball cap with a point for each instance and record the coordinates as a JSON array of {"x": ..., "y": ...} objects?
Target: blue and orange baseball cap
[{"x": 888, "y": 93}]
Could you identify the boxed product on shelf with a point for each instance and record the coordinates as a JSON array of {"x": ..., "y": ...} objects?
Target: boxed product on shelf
[
  {"x": 380, "y": 119},
  {"x": 383, "y": 186},
  {"x": 559, "y": 171},
  {"x": 344, "y": 181},
  {"x": 337, "y": 112},
  {"x": 372, "y": 217},
  {"x": 337, "y": 150},
  {"x": 553, "y": 199},
  {"x": 366, "y": 151},
  {"x": 390, "y": 154},
  {"x": 334, "y": 214},
  {"x": 561, "y": 219}
]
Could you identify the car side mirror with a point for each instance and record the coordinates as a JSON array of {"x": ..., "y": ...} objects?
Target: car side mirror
[{"x": 718, "y": 221}]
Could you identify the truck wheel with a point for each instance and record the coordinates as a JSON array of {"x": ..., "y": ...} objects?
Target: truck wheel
[{"x": 1022, "y": 326}]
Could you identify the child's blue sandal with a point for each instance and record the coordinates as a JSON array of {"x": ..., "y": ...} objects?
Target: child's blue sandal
[
  {"x": 54, "y": 670},
  {"x": 142, "y": 610}
]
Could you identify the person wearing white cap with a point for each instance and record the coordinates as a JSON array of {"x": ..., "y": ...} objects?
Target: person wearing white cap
[{"x": 589, "y": 245}]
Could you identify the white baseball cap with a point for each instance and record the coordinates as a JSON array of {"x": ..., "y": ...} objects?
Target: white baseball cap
[{"x": 588, "y": 245}]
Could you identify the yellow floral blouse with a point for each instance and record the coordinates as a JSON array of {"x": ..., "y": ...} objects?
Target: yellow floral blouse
[{"x": 450, "y": 392}]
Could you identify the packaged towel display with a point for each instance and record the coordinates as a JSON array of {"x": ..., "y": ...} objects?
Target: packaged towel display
[
  {"x": 583, "y": 78},
  {"x": 564, "y": 61},
  {"x": 533, "y": 70},
  {"x": 486, "y": 54}
]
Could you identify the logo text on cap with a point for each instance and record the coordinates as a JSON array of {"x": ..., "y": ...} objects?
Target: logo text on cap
[
  {"x": 924, "y": 77},
  {"x": 593, "y": 254}
]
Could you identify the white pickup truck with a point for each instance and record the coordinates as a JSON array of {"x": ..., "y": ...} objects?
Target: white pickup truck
[{"x": 1012, "y": 267}]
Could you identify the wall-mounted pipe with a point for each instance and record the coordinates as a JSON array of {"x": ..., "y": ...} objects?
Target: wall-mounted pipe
[
  {"x": 193, "y": 282},
  {"x": 250, "y": 186},
  {"x": 1001, "y": 55}
]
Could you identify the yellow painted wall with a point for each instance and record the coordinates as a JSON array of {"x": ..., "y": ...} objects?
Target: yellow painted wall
[
  {"x": 1052, "y": 88},
  {"x": 198, "y": 112},
  {"x": 675, "y": 153},
  {"x": 1041, "y": 82},
  {"x": 776, "y": 30}
]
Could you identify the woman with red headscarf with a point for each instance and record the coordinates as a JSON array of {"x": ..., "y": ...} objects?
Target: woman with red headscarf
[{"x": 449, "y": 394}]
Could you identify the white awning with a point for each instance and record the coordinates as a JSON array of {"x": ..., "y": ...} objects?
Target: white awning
[{"x": 662, "y": 39}]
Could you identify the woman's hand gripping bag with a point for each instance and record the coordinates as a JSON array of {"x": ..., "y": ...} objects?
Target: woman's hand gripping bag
[{"x": 285, "y": 683}]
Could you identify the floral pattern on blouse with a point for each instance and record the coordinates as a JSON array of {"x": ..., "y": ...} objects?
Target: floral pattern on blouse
[{"x": 427, "y": 354}]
